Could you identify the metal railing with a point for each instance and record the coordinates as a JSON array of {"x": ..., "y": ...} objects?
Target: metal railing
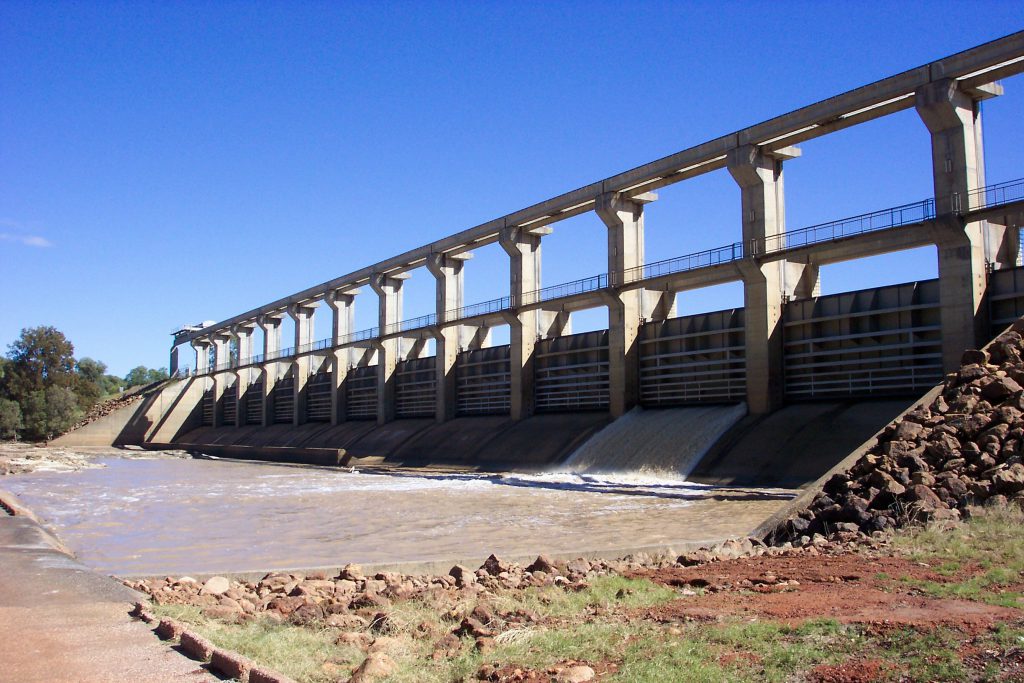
[
  {"x": 680, "y": 264},
  {"x": 482, "y": 308},
  {"x": 318, "y": 345},
  {"x": 895, "y": 217},
  {"x": 581, "y": 286},
  {"x": 280, "y": 353},
  {"x": 411, "y": 324},
  {"x": 362, "y": 335},
  {"x": 993, "y": 195}
]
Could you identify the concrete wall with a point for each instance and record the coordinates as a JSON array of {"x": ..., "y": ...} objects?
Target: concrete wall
[{"x": 162, "y": 415}]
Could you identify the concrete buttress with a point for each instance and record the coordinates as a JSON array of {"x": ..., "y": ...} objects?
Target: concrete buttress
[
  {"x": 303, "y": 315},
  {"x": 765, "y": 284},
  {"x": 953, "y": 119},
  {"x": 342, "y": 305},
  {"x": 523, "y": 249},
  {"x": 270, "y": 323},
  {"x": 242, "y": 335},
  {"x": 448, "y": 273},
  {"x": 389, "y": 349},
  {"x": 624, "y": 218}
]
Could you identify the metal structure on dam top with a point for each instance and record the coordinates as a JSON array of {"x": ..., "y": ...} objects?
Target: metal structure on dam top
[{"x": 779, "y": 345}]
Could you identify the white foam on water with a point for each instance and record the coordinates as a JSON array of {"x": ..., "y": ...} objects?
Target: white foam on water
[{"x": 662, "y": 443}]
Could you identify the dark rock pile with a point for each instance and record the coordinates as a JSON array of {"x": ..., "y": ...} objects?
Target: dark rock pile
[
  {"x": 962, "y": 449},
  {"x": 104, "y": 408},
  {"x": 353, "y": 600}
]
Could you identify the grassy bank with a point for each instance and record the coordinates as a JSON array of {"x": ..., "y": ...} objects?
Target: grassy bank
[{"x": 948, "y": 610}]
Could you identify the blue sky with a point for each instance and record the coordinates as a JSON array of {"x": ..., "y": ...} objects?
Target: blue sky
[{"x": 166, "y": 163}]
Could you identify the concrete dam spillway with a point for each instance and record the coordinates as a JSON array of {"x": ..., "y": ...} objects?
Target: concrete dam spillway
[
  {"x": 668, "y": 442},
  {"x": 434, "y": 390}
]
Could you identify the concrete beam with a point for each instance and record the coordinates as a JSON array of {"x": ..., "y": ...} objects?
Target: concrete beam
[{"x": 977, "y": 66}]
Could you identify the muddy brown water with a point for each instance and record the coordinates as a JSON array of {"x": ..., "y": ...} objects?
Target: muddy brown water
[{"x": 177, "y": 516}]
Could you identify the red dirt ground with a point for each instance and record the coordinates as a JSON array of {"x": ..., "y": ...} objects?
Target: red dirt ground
[{"x": 849, "y": 588}]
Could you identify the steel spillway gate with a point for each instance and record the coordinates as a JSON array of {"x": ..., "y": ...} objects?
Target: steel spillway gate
[
  {"x": 571, "y": 373},
  {"x": 1005, "y": 298},
  {"x": 874, "y": 342},
  {"x": 229, "y": 405},
  {"x": 483, "y": 381},
  {"x": 693, "y": 359},
  {"x": 283, "y": 399},
  {"x": 254, "y": 404},
  {"x": 361, "y": 393},
  {"x": 207, "y": 408},
  {"x": 416, "y": 387},
  {"x": 318, "y": 397}
]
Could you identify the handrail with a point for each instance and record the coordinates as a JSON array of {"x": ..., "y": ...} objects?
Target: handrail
[
  {"x": 318, "y": 345},
  {"x": 483, "y": 308},
  {"x": 906, "y": 214},
  {"x": 996, "y": 194},
  {"x": 411, "y": 324},
  {"x": 280, "y": 353},
  {"x": 894, "y": 217},
  {"x": 679, "y": 264},
  {"x": 581, "y": 286},
  {"x": 362, "y": 335}
]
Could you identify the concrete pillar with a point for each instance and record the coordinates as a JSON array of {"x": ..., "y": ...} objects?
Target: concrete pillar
[
  {"x": 624, "y": 218},
  {"x": 342, "y": 305},
  {"x": 389, "y": 351},
  {"x": 523, "y": 249},
  {"x": 221, "y": 376},
  {"x": 243, "y": 376},
  {"x": 448, "y": 274},
  {"x": 174, "y": 362},
  {"x": 759, "y": 176},
  {"x": 303, "y": 315},
  {"x": 953, "y": 119},
  {"x": 202, "y": 349},
  {"x": 271, "y": 325}
]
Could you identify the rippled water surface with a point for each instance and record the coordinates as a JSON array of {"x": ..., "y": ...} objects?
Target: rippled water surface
[{"x": 173, "y": 516}]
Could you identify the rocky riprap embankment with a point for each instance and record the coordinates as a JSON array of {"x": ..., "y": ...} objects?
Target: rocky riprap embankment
[
  {"x": 111, "y": 405},
  {"x": 352, "y": 600},
  {"x": 962, "y": 449}
]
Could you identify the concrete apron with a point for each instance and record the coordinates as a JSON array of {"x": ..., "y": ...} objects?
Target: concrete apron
[{"x": 60, "y": 621}]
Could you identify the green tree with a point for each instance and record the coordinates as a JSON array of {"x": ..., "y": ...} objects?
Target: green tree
[
  {"x": 10, "y": 418},
  {"x": 41, "y": 357},
  {"x": 90, "y": 385},
  {"x": 143, "y": 375},
  {"x": 50, "y": 412}
]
